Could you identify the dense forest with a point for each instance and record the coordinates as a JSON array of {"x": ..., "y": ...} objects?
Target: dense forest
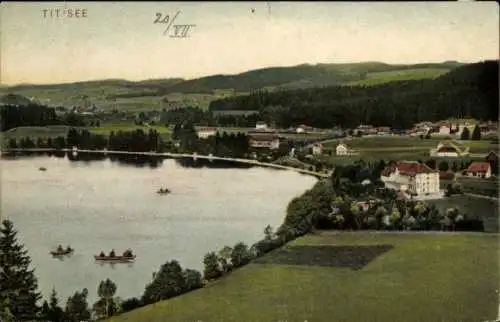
[
  {"x": 27, "y": 115},
  {"x": 33, "y": 114},
  {"x": 467, "y": 91}
]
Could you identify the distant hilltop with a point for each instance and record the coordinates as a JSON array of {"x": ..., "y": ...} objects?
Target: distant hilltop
[{"x": 272, "y": 78}]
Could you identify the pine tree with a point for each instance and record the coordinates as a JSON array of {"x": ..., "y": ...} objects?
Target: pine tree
[
  {"x": 77, "y": 307},
  {"x": 476, "y": 133},
  {"x": 51, "y": 311},
  {"x": 465, "y": 135},
  {"x": 18, "y": 284}
]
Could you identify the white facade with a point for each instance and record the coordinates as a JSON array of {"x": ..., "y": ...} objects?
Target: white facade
[
  {"x": 261, "y": 126},
  {"x": 481, "y": 174},
  {"x": 342, "y": 149},
  {"x": 203, "y": 134},
  {"x": 424, "y": 183},
  {"x": 446, "y": 154},
  {"x": 444, "y": 130},
  {"x": 317, "y": 149},
  {"x": 415, "y": 183}
]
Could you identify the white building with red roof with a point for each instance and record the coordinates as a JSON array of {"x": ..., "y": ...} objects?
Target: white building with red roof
[
  {"x": 479, "y": 169},
  {"x": 413, "y": 177}
]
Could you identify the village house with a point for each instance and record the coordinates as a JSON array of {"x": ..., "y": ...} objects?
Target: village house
[
  {"x": 317, "y": 149},
  {"x": 479, "y": 170},
  {"x": 423, "y": 127},
  {"x": 261, "y": 125},
  {"x": 444, "y": 129},
  {"x": 207, "y": 132},
  {"x": 449, "y": 149},
  {"x": 383, "y": 130},
  {"x": 411, "y": 176},
  {"x": 366, "y": 129},
  {"x": 343, "y": 149},
  {"x": 304, "y": 129},
  {"x": 264, "y": 141}
]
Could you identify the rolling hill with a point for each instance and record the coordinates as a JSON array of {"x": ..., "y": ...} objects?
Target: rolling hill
[
  {"x": 430, "y": 271},
  {"x": 123, "y": 93}
]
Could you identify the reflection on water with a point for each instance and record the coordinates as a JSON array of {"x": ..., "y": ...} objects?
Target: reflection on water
[{"x": 112, "y": 204}]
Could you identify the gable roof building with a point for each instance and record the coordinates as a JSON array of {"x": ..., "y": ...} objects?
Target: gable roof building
[
  {"x": 479, "y": 169},
  {"x": 449, "y": 149}
]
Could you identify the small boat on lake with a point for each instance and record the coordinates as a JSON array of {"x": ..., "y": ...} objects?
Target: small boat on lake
[
  {"x": 127, "y": 257},
  {"x": 163, "y": 191},
  {"x": 59, "y": 251},
  {"x": 42, "y": 169}
]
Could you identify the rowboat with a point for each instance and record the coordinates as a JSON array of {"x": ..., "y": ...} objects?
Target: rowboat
[
  {"x": 62, "y": 252},
  {"x": 162, "y": 191},
  {"x": 115, "y": 259}
]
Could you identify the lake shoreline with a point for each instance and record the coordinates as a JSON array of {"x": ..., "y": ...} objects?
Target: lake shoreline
[{"x": 98, "y": 216}]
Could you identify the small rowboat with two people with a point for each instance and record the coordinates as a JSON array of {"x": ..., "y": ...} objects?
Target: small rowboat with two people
[
  {"x": 163, "y": 191},
  {"x": 60, "y": 251},
  {"x": 126, "y": 257}
]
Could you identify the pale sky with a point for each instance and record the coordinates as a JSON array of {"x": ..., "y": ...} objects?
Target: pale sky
[{"x": 119, "y": 40}]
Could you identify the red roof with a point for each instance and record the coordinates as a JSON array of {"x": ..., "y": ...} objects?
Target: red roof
[
  {"x": 413, "y": 168},
  {"x": 478, "y": 167},
  {"x": 408, "y": 168}
]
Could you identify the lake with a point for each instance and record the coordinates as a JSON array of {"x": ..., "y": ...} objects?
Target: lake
[{"x": 101, "y": 205}]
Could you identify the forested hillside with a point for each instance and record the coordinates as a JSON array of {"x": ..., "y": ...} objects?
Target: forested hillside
[
  {"x": 470, "y": 90},
  {"x": 301, "y": 76}
]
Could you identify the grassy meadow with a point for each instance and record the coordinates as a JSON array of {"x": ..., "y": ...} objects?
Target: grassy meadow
[
  {"x": 353, "y": 276},
  {"x": 398, "y": 75},
  {"x": 53, "y": 131},
  {"x": 401, "y": 147},
  {"x": 485, "y": 209}
]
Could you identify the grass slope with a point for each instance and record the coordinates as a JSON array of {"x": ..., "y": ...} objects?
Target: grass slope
[
  {"x": 401, "y": 147},
  {"x": 425, "y": 277},
  {"x": 405, "y": 74}
]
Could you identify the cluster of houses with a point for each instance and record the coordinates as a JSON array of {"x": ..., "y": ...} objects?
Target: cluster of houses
[
  {"x": 266, "y": 140},
  {"x": 452, "y": 128},
  {"x": 418, "y": 179}
]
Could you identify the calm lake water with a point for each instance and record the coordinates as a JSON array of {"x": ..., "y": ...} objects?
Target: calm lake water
[{"x": 101, "y": 205}]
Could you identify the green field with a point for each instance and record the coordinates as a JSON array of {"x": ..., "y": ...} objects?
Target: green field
[
  {"x": 400, "y": 147},
  {"x": 45, "y": 132},
  {"x": 424, "y": 277},
  {"x": 487, "y": 187},
  {"x": 398, "y": 75},
  {"x": 485, "y": 209}
]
